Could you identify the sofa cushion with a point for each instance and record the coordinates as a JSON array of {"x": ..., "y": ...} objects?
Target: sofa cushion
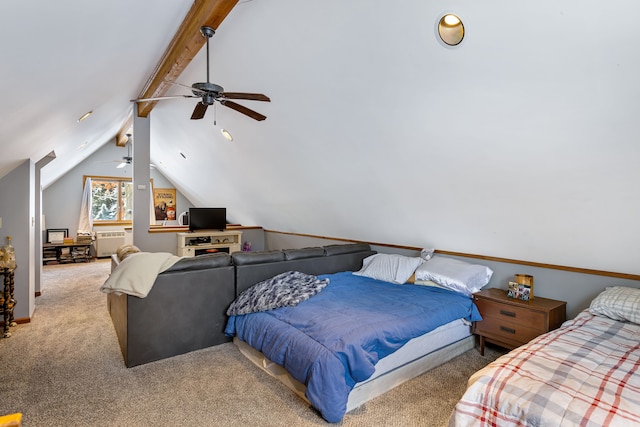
[
  {"x": 201, "y": 262},
  {"x": 290, "y": 254},
  {"x": 346, "y": 249},
  {"x": 260, "y": 257}
]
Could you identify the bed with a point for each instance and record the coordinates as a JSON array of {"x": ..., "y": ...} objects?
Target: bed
[
  {"x": 582, "y": 374},
  {"x": 357, "y": 337}
]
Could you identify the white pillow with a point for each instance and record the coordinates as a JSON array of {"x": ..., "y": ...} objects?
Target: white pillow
[
  {"x": 618, "y": 303},
  {"x": 389, "y": 267},
  {"x": 428, "y": 283},
  {"x": 454, "y": 274}
]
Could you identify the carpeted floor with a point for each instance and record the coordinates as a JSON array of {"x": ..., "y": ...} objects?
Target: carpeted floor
[{"x": 65, "y": 369}]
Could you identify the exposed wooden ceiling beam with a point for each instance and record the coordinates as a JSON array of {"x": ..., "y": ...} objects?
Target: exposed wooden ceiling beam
[
  {"x": 185, "y": 45},
  {"x": 121, "y": 136}
]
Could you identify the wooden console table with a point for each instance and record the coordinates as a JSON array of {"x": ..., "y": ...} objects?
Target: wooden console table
[
  {"x": 207, "y": 241},
  {"x": 7, "y": 302},
  {"x": 74, "y": 252}
]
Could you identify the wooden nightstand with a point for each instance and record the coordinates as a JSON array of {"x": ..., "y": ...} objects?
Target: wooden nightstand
[{"x": 510, "y": 322}]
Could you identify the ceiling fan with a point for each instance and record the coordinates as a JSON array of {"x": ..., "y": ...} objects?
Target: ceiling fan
[
  {"x": 126, "y": 160},
  {"x": 209, "y": 92}
]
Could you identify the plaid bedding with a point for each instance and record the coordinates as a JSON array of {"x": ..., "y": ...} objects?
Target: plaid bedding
[{"x": 582, "y": 374}]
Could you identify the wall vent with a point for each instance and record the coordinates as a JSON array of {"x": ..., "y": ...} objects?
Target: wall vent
[{"x": 107, "y": 242}]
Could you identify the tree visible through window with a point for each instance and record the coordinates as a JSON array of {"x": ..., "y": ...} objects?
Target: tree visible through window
[{"x": 111, "y": 199}]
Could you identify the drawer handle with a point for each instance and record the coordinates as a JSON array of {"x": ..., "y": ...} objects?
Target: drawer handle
[
  {"x": 508, "y": 313},
  {"x": 508, "y": 330}
]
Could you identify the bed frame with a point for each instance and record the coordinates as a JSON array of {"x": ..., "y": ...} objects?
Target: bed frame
[{"x": 365, "y": 391}]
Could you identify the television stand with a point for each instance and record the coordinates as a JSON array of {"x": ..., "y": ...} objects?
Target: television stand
[{"x": 207, "y": 241}]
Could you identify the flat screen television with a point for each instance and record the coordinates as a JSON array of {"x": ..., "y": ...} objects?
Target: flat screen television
[{"x": 207, "y": 219}]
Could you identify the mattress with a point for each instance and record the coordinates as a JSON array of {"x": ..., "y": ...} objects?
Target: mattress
[
  {"x": 422, "y": 345},
  {"x": 417, "y": 356}
]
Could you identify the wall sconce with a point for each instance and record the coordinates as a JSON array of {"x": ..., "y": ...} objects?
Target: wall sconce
[{"x": 450, "y": 29}]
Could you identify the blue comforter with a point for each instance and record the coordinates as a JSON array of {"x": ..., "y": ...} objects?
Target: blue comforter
[{"x": 334, "y": 339}]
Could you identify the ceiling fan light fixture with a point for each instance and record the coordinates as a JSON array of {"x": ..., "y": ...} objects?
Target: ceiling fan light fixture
[
  {"x": 211, "y": 93},
  {"x": 226, "y": 134},
  {"x": 121, "y": 165},
  {"x": 85, "y": 115}
]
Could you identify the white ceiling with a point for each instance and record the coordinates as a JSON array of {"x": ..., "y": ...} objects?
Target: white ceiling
[{"x": 62, "y": 59}]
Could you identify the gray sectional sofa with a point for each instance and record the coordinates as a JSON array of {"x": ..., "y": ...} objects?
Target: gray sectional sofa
[{"x": 186, "y": 308}]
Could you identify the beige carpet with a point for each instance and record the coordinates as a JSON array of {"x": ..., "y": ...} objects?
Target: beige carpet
[{"x": 65, "y": 369}]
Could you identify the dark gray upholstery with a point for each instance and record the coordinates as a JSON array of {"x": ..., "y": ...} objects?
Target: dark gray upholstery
[
  {"x": 242, "y": 258},
  {"x": 199, "y": 262},
  {"x": 184, "y": 311},
  {"x": 290, "y": 254},
  {"x": 348, "y": 258},
  {"x": 186, "y": 307},
  {"x": 346, "y": 248}
]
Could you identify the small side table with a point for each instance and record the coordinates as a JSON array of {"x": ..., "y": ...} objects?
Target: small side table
[
  {"x": 7, "y": 301},
  {"x": 510, "y": 322}
]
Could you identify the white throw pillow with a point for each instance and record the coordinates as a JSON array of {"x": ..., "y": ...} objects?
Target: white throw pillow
[
  {"x": 454, "y": 274},
  {"x": 389, "y": 267}
]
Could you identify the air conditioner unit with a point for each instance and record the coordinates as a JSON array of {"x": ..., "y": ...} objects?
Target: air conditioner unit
[{"x": 107, "y": 242}]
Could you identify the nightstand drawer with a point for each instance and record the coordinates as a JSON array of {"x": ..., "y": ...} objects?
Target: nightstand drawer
[
  {"x": 511, "y": 314},
  {"x": 506, "y": 330}
]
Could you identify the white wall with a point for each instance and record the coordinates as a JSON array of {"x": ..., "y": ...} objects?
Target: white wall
[
  {"x": 520, "y": 143},
  {"x": 576, "y": 289},
  {"x": 17, "y": 212}
]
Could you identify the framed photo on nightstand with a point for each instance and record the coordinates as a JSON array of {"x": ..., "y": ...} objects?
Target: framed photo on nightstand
[{"x": 519, "y": 291}]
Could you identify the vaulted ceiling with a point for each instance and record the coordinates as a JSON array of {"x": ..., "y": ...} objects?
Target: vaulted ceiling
[{"x": 66, "y": 59}]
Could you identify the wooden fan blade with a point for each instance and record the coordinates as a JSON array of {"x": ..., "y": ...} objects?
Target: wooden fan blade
[
  {"x": 160, "y": 98},
  {"x": 244, "y": 110},
  {"x": 248, "y": 96},
  {"x": 199, "y": 111}
]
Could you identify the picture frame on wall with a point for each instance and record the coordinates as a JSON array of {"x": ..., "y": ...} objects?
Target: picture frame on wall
[
  {"x": 57, "y": 235},
  {"x": 164, "y": 203}
]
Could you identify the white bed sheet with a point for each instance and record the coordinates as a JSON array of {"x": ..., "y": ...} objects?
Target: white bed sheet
[{"x": 422, "y": 345}]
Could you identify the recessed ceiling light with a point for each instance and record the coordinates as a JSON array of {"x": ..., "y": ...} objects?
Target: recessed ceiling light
[
  {"x": 226, "y": 134},
  {"x": 85, "y": 115}
]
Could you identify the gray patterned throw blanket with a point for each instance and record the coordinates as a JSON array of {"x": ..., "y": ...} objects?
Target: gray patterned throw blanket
[{"x": 284, "y": 290}]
